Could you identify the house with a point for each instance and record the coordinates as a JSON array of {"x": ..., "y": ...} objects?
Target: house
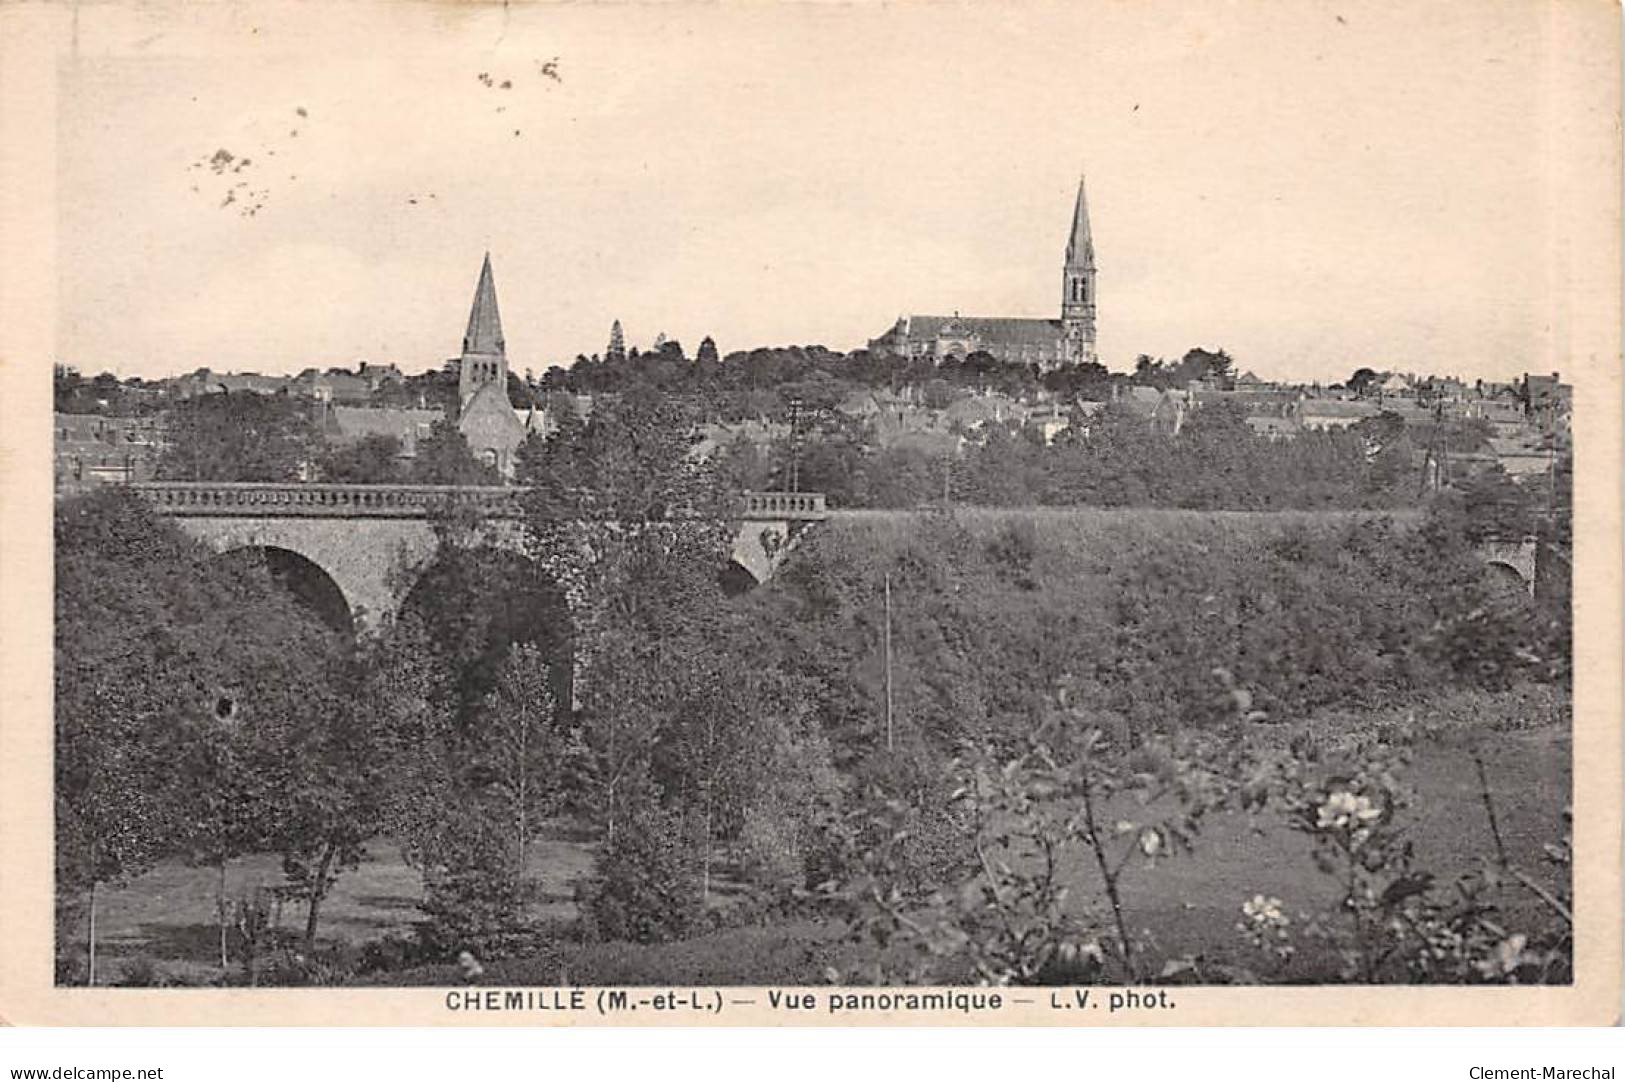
[
  {"x": 91, "y": 449},
  {"x": 1506, "y": 417},
  {"x": 1408, "y": 410},
  {"x": 204, "y": 381},
  {"x": 1391, "y": 383},
  {"x": 974, "y": 412},
  {"x": 760, "y": 433},
  {"x": 377, "y": 375},
  {"x": 1272, "y": 427},
  {"x": 1168, "y": 415},
  {"x": 1053, "y": 418},
  {"x": 1547, "y": 401},
  {"x": 1247, "y": 381},
  {"x": 1137, "y": 398},
  {"x": 1520, "y": 458},
  {"x": 350, "y": 424},
  {"x": 1328, "y": 414},
  {"x": 1445, "y": 389},
  {"x": 859, "y": 403}
]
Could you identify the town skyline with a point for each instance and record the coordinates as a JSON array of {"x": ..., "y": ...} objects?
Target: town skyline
[{"x": 1411, "y": 230}]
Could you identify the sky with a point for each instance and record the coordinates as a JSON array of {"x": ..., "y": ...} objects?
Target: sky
[{"x": 1313, "y": 187}]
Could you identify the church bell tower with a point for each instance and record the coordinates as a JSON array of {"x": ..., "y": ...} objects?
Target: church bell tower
[
  {"x": 1078, "y": 286},
  {"x": 485, "y": 357}
]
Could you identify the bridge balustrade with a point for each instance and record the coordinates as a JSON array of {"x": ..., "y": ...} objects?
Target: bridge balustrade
[
  {"x": 272, "y": 499},
  {"x": 785, "y": 505}
]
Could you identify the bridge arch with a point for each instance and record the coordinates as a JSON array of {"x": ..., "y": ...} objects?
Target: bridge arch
[
  {"x": 1508, "y": 578},
  {"x": 374, "y": 542},
  {"x": 522, "y": 602},
  {"x": 308, "y": 581},
  {"x": 1514, "y": 557}
]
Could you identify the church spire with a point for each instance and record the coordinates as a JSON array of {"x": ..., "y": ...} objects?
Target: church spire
[
  {"x": 484, "y": 334},
  {"x": 1080, "y": 249},
  {"x": 1078, "y": 285},
  {"x": 485, "y": 357}
]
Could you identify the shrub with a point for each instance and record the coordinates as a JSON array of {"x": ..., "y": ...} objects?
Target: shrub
[
  {"x": 474, "y": 900},
  {"x": 144, "y": 972},
  {"x": 645, "y": 889}
]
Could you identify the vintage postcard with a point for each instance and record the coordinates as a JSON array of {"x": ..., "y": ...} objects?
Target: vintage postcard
[{"x": 810, "y": 514}]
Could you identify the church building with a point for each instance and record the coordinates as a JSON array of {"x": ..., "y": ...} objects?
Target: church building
[
  {"x": 1047, "y": 343},
  {"x": 491, "y": 426}
]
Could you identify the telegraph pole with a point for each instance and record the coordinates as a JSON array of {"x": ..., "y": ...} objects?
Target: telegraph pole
[
  {"x": 795, "y": 445},
  {"x": 888, "y": 664}
]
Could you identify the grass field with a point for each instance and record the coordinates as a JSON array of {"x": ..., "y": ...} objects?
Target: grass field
[{"x": 1188, "y": 904}]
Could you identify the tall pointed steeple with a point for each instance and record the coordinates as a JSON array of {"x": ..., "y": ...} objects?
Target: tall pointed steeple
[
  {"x": 485, "y": 353},
  {"x": 1078, "y": 285},
  {"x": 485, "y": 358},
  {"x": 484, "y": 334},
  {"x": 1080, "y": 249}
]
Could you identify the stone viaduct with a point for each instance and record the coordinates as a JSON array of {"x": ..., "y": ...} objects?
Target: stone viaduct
[{"x": 372, "y": 541}]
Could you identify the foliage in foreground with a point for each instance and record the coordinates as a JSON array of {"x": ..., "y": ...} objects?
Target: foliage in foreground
[{"x": 1007, "y": 910}]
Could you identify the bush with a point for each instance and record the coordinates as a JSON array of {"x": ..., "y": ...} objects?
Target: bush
[
  {"x": 144, "y": 972},
  {"x": 474, "y": 900},
  {"x": 645, "y": 890}
]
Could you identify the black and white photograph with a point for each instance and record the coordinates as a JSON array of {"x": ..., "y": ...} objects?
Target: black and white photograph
[{"x": 886, "y": 510}]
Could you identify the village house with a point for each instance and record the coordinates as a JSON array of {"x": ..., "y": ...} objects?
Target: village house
[
  {"x": 351, "y": 424},
  {"x": 1547, "y": 401},
  {"x": 1506, "y": 417},
  {"x": 1521, "y": 458},
  {"x": 1329, "y": 414},
  {"x": 973, "y": 413},
  {"x": 1273, "y": 427},
  {"x": 205, "y": 381},
  {"x": 378, "y": 375},
  {"x": 92, "y": 449},
  {"x": 1391, "y": 383}
]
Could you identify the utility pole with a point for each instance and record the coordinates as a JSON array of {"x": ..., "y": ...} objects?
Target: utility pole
[
  {"x": 1444, "y": 442},
  {"x": 888, "y": 664},
  {"x": 795, "y": 445}
]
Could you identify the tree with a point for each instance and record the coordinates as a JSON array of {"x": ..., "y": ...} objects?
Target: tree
[
  {"x": 1199, "y": 363},
  {"x": 66, "y": 384},
  {"x": 665, "y": 519},
  {"x": 332, "y": 755},
  {"x": 437, "y": 804},
  {"x": 1361, "y": 379},
  {"x": 615, "y": 353},
  {"x": 1090, "y": 381},
  {"x": 239, "y": 437},
  {"x": 444, "y": 458},
  {"x": 372, "y": 460},
  {"x": 519, "y": 743},
  {"x": 169, "y": 663},
  {"x": 631, "y": 462},
  {"x": 641, "y": 890},
  {"x": 708, "y": 351}
]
